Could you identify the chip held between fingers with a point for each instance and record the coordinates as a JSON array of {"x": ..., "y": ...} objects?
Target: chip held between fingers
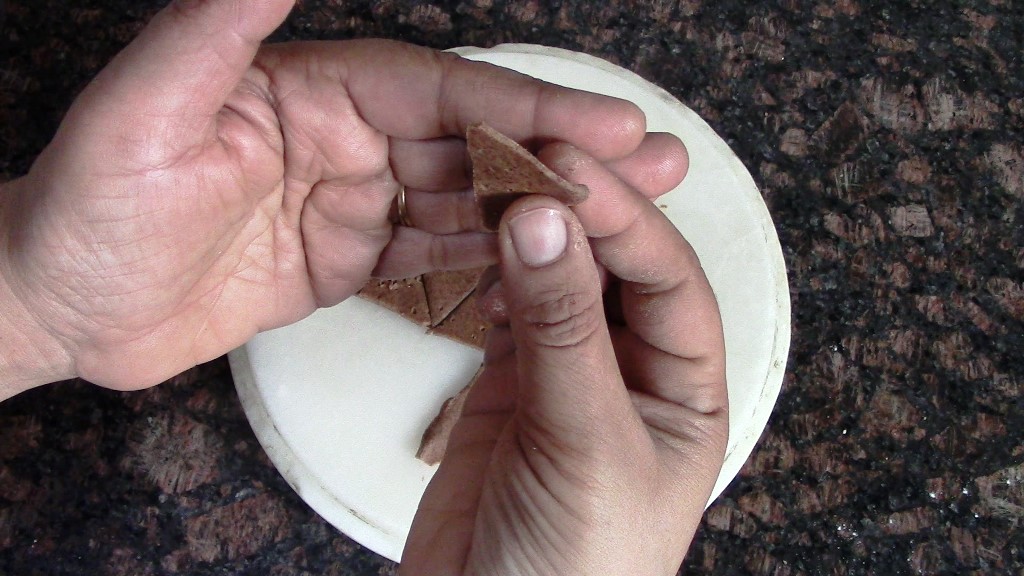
[{"x": 504, "y": 171}]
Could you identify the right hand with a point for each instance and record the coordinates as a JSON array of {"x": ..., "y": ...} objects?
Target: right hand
[{"x": 585, "y": 447}]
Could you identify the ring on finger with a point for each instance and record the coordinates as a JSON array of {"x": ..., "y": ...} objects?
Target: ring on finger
[{"x": 403, "y": 209}]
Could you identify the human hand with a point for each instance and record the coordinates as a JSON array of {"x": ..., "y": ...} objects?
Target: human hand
[
  {"x": 202, "y": 189},
  {"x": 588, "y": 445}
]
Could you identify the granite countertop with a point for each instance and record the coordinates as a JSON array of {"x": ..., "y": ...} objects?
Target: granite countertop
[{"x": 887, "y": 141}]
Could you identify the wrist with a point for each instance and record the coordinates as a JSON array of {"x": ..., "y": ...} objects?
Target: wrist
[{"x": 29, "y": 354}]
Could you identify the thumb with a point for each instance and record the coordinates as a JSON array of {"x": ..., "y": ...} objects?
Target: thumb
[
  {"x": 187, "y": 61},
  {"x": 570, "y": 386}
]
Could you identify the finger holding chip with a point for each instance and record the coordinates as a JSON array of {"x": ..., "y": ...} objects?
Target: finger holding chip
[
  {"x": 656, "y": 166},
  {"x": 447, "y": 222},
  {"x": 614, "y": 191},
  {"x": 437, "y": 175},
  {"x": 664, "y": 298},
  {"x": 616, "y": 199}
]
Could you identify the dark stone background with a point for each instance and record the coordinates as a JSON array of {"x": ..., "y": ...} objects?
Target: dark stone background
[{"x": 887, "y": 139}]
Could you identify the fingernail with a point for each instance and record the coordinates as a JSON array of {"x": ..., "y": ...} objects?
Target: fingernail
[{"x": 539, "y": 236}]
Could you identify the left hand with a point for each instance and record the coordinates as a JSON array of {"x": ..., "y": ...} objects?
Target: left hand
[{"x": 202, "y": 189}]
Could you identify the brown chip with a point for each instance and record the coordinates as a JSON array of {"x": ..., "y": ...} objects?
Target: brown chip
[
  {"x": 406, "y": 297},
  {"x": 465, "y": 324},
  {"x": 446, "y": 290},
  {"x": 503, "y": 171},
  {"x": 435, "y": 438}
]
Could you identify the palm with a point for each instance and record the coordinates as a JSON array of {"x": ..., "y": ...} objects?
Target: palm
[{"x": 197, "y": 256}]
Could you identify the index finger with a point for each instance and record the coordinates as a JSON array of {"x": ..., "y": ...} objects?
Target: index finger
[
  {"x": 416, "y": 93},
  {"x": 669, "y": 307}
]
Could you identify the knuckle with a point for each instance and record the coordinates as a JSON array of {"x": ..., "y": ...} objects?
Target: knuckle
[
  {"x": 467, "y": 214},
  {"x": 438, "y": 253},
  {"x": 563, "y": 320}
]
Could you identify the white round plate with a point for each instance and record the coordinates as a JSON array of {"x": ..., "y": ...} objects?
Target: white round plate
[{"x": 339, "y": 400}]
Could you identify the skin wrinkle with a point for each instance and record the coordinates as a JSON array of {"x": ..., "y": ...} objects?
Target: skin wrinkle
[
  {"x": 373, "y": 139},
  {"x": 242, "y": 104},
  {"x": 542, "y": 530},
  {"x": 297, "y": 146},
  {"x": 237, "y": 148},
  {"x": 280, "y": 107},
  {"x": 260, "y": 78},
  {"x": 210, "y": 256},
  {"x": 576, "y": 389},
  {"x": 690, "y": 415},
  {"x": 672, "y": 439},
  {"x": 284, "y": 244},
  {"x": 312, "y": 251},
  {"x": 564, "y": 321},
  {"x": 515, "y": 510},
  {"x": 246, "y": 264},
  {"x": 263, "y": 222},
  {"x": 449, "y": 122},
  {"x": 366, "y": 197},
  {"x": 660, "y": 335},
  {"x": 364, "y": 151},
  {"x": 438, "y": 252},
  {"x": 695, "y": 367},
  {"x": 647, "y": 311},
  {"x": 535, "y": 454},
  {"x": 6, "y": 274},
  {"x": 96, "y": 270},
  {"x": 543, "y": 434},
  {"x": 104, "y": 244},
  {"x": 149, "y": 156},
  {"x": 194, "y": 349},
  {"x": 536, "y": 559},
  {"x": 546, "y": 533},
  {"x": 535, "y": 101},
  {"x": 361, "y": 151},
  {"x": 119, "y": 326},
  {"x": 331, "y": 189}
]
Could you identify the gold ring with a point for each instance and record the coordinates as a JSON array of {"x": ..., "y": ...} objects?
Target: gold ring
[{"x": 403, "y": 209}]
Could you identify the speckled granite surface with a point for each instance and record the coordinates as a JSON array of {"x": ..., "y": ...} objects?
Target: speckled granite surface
[{"x": 887, "y": 139}]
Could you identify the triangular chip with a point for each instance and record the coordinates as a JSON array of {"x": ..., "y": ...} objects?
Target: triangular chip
[
  {"x": 503, "y": 171},
  {"x": 446, "y": 290},
  {"x": 465, "y": 324},
  {"x": 435, "y": 438},
  {"x": 406, "y": 297}
]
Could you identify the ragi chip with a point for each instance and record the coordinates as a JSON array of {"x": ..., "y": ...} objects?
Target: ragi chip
[{"x": 504, "y": 171}]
